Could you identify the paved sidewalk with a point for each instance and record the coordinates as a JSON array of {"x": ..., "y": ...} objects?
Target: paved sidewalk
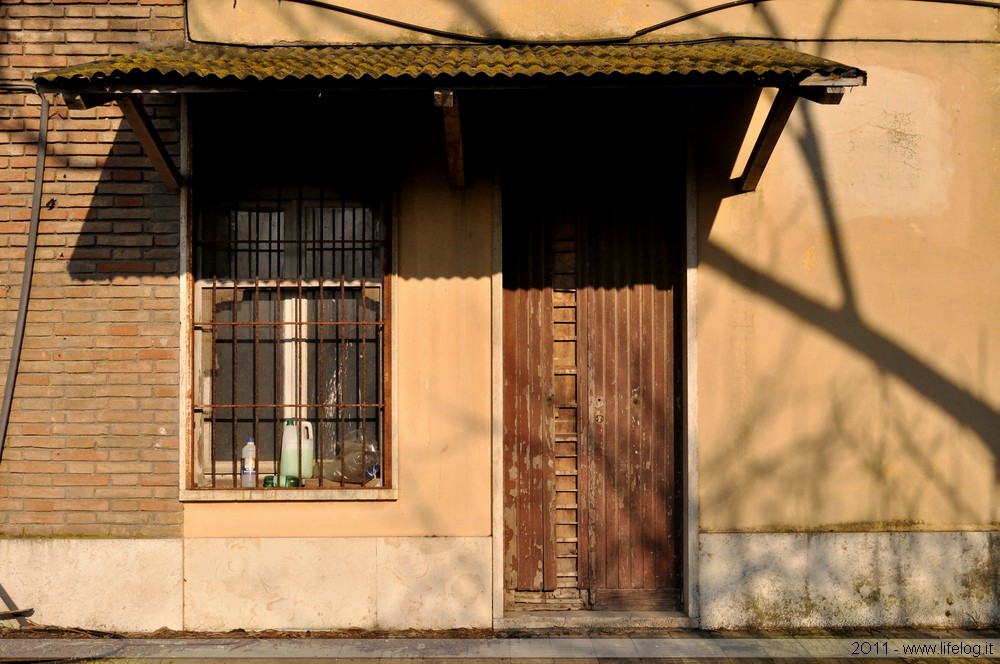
[{"x": 680, "y": 645}]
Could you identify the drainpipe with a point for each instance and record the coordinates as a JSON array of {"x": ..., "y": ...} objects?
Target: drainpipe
[{"x": 29, "y": 257}]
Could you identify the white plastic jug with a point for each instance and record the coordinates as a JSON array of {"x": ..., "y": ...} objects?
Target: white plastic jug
[{"x": 292, "y": 448}]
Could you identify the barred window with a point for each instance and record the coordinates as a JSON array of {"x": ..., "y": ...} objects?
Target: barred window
[{"x": 289, "y": 322}]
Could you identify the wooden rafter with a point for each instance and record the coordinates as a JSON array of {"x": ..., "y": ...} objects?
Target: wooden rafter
[
  {"x": 774, "y": 124},
  {"x": 448, "y": 102},
  {"x": 819, "y": 88},
  {"x": 137, "y": 118}
]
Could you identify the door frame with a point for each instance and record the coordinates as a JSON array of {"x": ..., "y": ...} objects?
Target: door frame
[{"x": 686, "y": 327}]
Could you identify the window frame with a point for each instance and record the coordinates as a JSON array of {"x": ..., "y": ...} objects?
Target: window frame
[{"x": 190, "y": 450}]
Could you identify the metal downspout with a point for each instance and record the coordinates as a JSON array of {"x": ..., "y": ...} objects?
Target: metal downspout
[{"x": 29, "y": 258}]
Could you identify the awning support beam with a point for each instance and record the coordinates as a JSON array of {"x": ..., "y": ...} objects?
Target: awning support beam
[
  {"x": 454, "y": 148},
  {"x": 819, "y": 88},
  {"x": 774, "y": 124},
  {"x": 137, "y": 118}
]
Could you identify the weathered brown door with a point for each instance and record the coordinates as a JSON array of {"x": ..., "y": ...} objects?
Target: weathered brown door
[
  {"x": 591, "y": 492},
  {"x": 528, "y": 419},
  {"x": 628, "y": 313}
]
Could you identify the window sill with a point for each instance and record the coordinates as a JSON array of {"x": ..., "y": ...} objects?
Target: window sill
[{"x": 284, "y": 495}]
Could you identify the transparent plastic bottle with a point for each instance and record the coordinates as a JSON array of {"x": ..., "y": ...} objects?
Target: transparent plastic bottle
[{"x": 248, "y": 469}]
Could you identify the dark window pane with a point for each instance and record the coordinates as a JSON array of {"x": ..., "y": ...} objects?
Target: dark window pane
[{"x": 290, "y": 323}]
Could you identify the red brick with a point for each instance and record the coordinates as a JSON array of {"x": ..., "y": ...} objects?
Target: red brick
[
  {"x": 156, "y": 506},
  {"x": 82, "y": 480},
  {"x": 80, "y": 518},
  {"x": 93, "y": 505},
  {"x": 124, "y": 330},
  {"x": 35, "y": 505},
  {"x": 36, "y": 518},
  {"x": 80, "y": 455},
  {"x": 36, "y": 454},
  {"x": 35, "y": 492},
  {"x": 35, "y": 467}
]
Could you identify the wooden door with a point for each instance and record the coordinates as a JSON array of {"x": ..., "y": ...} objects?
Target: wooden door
[
  {"x": 633, "y": 502},
  {"x": 544, "y": 566},
  {"x": 590, "y": 486}
]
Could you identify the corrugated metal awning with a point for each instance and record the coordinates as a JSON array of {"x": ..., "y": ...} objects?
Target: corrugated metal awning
[
  {"x": 204, "y": 67},
  {"x": 445, "y": 67}
]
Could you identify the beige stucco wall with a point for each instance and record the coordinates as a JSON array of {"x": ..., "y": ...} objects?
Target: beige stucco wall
[
  {"x": 848, "y": 361},
  {"x": 442, "y": 390},
  {"x": 275, "y": 22},
  {"x": 848, "y": 310},
  {"x": 847, "y": 357}
]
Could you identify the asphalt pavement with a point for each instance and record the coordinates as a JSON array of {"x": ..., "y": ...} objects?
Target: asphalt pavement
[{"x": 687, "y": 645}]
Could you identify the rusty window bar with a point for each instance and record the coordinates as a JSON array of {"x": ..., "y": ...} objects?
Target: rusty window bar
[
  {"x": 235, "y": 386},
  {"x": 342, "y": 456},
  {"x": 256, "y": 370},
  {"x": 362, "y": 412},
  {"x": 215, "y": 372},
  {"x": 320, "y": 375},
  {"x": 361, "y": 403},
  {"x": 361, "y": 249}
]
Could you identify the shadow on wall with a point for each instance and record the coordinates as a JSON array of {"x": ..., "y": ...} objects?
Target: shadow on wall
[
  {"x": 130, "y": 226},
  {"x": 891, "y": 362},
  {"x": 873, "y": 570}
]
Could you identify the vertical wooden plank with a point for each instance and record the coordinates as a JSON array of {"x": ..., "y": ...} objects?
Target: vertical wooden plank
[
  {"x": 669, "y": 570},
  {"x": 616, "y": 363},
  {"x": 544, "y": 403},
  {"x": 528, "y": 414},
  {"x": 641, "y": 405},
  {"x": 660, "y": 440},
  {"x": 612, "y": 431},
  {"x": 671, "y": 522},
  {"x": 531, "y": 507},
  {"x": 510, "y": 474},
  {"x": 517, "y": 496},
  {"x": 598, "y": 423},
  {"x": 630, "y": 251},
  {"x": 656, "y": 342}
]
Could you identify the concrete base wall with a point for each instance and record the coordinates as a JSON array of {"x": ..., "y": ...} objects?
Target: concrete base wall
[
  {"x": 941, "y": 579},
  {"x": 746, "y": 580},
  {"x": 251, "y": 583},
  {"x": 326, "y": 583},
  {"x": 105, "y": 584}
]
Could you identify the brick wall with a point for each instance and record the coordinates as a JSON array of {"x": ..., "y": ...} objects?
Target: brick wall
[{"x": 92, "y": 446}]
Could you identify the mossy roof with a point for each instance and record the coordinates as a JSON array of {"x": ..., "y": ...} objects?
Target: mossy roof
[{"x": 212, "y": 67}]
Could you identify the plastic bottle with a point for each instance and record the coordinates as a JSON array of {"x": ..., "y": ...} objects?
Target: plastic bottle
[
  {"x": 248, "y": 470},
  {"x": 292, "y": 448}
]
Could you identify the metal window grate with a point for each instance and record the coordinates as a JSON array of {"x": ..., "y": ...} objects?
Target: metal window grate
[{"x": 290, "y": 324}]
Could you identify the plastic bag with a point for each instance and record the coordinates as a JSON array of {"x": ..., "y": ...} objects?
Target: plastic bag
[{"x": 356, "y": 463}]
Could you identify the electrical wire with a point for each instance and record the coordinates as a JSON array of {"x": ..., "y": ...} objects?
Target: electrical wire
[{"x": 503, "y": 41}]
